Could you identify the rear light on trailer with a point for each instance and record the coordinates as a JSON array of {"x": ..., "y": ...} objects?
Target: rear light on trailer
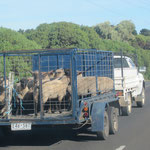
[
  {"x": 85, "y": 109},
  {"x": 85, "y": 103},
  {"x": 119, "y": 93},
  {"x": 86, "y": 114}
]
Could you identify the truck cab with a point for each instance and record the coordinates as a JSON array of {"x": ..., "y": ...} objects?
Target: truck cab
[{"x": 129, "y": 83}]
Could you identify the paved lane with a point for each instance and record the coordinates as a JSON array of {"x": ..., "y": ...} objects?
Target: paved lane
[{"x": 134, "y": 134}]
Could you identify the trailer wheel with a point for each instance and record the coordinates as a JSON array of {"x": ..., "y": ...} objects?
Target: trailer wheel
[
  {"x": 126, "y": 111},
  {"x": 113, "y": 120},
  {"x": 102, "y": 135},
  {"x": 142, "y": 96}
]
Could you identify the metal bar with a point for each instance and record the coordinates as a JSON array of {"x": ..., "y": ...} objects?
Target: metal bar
[
  {"x": 136, "y": 61},
  {"x": 96, "y": 71},
  {"x": 39, "y": 51},
  {"x": 74, "y": 83},
  {"x": 112, "y": 67},
  {"x": 84, "y": 64},
  {"x": 52, "y": 51},
  {"x": 40, "y": 89},
  {"x": 122, "y": 66},
  {"x": 6, "y": 103}
]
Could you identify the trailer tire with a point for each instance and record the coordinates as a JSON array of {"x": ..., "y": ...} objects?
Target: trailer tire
[
  {"x": 113, "y": 120},
  {"x": 126, "y": 111},
  {"x": 142, "y": 102},
  {"x": 103, "y": 135}
]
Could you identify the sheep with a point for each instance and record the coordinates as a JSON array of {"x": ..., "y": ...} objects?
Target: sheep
[
  {"x": 45, "y": 76},
  {"x": 2, "y": 95},
  {"x": 23, "y": 91},
  {"x": 22, "y": 88},
  {"x": 54, "y": 89},
  {"x": 87, "y": 85},
  {"x": 25, "y": 87},
  {"x": 2, "y": 89}
]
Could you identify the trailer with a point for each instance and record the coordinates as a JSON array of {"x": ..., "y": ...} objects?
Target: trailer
[{"x": 61, "y": 87}]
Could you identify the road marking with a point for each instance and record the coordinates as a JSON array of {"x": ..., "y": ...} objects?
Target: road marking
[{"x": 121, "y": 147}]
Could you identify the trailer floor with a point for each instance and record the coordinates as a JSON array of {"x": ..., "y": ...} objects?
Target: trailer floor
[{"x": 52, "y": 116}]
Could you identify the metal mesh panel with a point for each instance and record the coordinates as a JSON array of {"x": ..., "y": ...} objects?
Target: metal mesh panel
[
  {"x": 32, "y": 85},
  {"x": 55, "y": 94},
  {"x": 17, "y": 77},
  {"x": 94, "y": 73}
]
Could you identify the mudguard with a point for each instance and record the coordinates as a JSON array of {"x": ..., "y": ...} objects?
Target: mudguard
[{"x": 97, "y": 115}]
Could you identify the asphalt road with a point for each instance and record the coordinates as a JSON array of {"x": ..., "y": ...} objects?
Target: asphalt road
[{"x": 133, "y": 134}]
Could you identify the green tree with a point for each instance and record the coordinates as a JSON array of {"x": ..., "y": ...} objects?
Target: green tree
[
  {"x": 12, "y": 40},
  {"x": 126, "y": 30},
  {"x": 142, "y": 41},
  {"x": 93, "y": 37},
  {"x": 107, "y": 31},
  {"x": 67, "y": 35},
  {"x": 145, "y": 32}
]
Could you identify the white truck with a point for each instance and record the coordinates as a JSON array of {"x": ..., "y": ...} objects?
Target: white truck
[{"x": 129, "y": 84}]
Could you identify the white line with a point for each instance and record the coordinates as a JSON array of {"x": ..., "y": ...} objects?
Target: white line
[{"x": 121, "y": 147}]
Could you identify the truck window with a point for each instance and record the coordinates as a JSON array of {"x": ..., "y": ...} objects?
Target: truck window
[
  {"x": 117, "y": 63},
  {"x": 132, "y": 63}
]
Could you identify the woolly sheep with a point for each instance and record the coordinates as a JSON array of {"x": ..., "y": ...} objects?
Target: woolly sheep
[{"x": 54, "y": 89}]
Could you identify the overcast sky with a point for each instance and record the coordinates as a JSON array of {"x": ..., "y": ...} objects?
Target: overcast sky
[{"x": 27, "y": 14}]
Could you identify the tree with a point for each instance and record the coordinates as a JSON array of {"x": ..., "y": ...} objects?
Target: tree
[
  {"x": 39, "y": 35},
  {"x": 93, "y": 37},
  {"x": 107, "y": 31},
  {"x": 145, "y": 32},
  {"x": 126, "y": 29},
  {"x": 143, "y": 41},
  {"x": 59, "y": 35},
  {"x": 12, "y": 40},
  {"x": 67, "y": 35}
]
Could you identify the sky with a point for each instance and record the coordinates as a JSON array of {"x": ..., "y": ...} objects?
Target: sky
[{"x": 28, "y": 14}]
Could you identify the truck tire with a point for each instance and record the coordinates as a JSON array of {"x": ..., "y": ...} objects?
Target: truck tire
[
  {"x": 142, "y": 102},
  {"x": 102, "y": 135},
  {"x": 113, "y": 120},
  {"x": 126, "y": 111}
]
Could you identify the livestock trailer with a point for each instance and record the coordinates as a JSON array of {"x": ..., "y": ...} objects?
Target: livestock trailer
[{"x": 61, "y": 87}]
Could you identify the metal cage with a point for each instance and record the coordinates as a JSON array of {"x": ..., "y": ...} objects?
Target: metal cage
[{"x": 51, "y": 83}]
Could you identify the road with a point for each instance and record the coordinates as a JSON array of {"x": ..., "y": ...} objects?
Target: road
[{"x": 133, "y": 134}]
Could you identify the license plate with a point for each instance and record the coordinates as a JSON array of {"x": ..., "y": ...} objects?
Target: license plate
[{"x": 20, "y": 126}]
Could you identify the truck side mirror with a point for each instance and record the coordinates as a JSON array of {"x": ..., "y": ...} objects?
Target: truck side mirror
[{"x": 142, "y": 69}]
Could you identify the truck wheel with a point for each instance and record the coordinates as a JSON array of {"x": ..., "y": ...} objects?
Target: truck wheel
[
  {"x": 102, "y": 135},
  {"x": 126, "y": 111},
  {"x": 142, "y": 96},
  {"x": 113, "y": 120}
]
